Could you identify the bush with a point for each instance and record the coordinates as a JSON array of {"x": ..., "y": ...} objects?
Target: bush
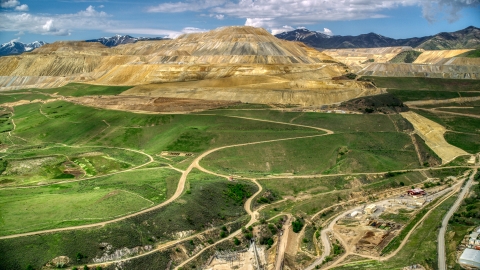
[
  {"x": 236, "y": 241},
  {"x": 297, "y": 225}
]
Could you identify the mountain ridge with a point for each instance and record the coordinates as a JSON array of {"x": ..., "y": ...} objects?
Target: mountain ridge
[
  {"x": 122, "y": 39},
  {"x": 15, "y": 47},
  {"x": 468, "y": 38}
]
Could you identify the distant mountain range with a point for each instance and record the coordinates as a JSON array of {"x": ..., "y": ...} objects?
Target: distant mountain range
[
  {"x": 15, "y": 47},
  {"x": 119, "y": 39},
  {"x": 463, "y": 39}
]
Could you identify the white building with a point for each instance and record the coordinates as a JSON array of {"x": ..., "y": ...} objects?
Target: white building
[
  {"x": 370, "y": 209},
  {"x": 470, "y": 258}
]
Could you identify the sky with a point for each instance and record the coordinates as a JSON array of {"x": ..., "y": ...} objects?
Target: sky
[{"x": 53, "y": 20}]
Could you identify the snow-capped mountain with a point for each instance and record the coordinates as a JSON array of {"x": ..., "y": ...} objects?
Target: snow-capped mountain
[
  {"x": 119, "y": 39},
  {"x": 301, "y": 34},
  {"x": 15, "y": 47}
]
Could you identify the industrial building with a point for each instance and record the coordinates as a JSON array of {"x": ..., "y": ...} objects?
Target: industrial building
[
  {"x": 470, "y": 258},
  {"x": 416, "y": 192}
]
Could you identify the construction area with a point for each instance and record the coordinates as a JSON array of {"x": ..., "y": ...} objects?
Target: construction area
[
  {"x": 368, "y": 229},
  {"x": 252, "y": 258}
]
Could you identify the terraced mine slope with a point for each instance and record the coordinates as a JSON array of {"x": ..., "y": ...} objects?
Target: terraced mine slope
[
  {"x": 238, "y": 60},
  {"x": 384, "y": 62}
]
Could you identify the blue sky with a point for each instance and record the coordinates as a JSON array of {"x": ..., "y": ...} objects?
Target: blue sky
[{"x": 52, "y": 20}]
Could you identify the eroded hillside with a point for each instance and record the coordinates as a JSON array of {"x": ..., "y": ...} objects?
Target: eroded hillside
[{"x": 242, "y": 62}]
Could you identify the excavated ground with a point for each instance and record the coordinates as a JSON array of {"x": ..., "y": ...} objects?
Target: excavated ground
[
  {"x": 231, "y": 64},
  {"x": 432, "y": 134},
  {"x": 149, "y": 104}
]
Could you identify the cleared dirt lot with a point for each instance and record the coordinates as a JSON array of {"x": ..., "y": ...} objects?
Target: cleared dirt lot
[{"x": 432, "y": 134}]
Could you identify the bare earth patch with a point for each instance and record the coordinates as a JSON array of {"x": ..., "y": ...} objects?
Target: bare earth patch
[{"x": 432, "y": 134}]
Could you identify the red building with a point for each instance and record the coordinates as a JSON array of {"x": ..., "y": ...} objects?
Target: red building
[{"x": 416, "y": 191}]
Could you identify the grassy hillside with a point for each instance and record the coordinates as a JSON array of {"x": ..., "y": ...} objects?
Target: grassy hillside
[
  {"x": 338, "y": 153},
  {"x": 405, "y": 57},
  {"x": 91, "y": 201},
  {"x": 211, "y": 201},
  {"x": 425, "y": 83}
]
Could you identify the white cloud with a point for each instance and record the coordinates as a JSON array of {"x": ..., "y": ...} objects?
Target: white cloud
[
  {"x": 327, "y": 32},
  {"x": 15, "y": 39},
  {"x": 284, "y": 28},
  {"x": 218, "y": 16},
  {"x": 57, "y": 24},
  {"x": 23, "y": 7},
  {"x": 185, "y": 6},
  {"x": 91, "y": 12},
  {"x": 273, "y": 14},
  {"x": 157, "y": 32},
  {"x": 434, "y": 8},
  {"x": 9, "y": 3}
]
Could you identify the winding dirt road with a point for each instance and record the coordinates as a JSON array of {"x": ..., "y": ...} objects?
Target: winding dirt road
[{"x": 180, "y": 186}]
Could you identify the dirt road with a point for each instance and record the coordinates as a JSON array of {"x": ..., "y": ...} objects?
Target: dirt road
[
  {"x": 441, "y": 235},
  {"x": 282, "y": 243}
]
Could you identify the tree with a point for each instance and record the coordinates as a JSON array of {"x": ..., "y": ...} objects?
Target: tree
[
  {"x": 236, "y": 241},
  {"x": 297, "y": 225},
  {"x": 80, "y": 256},
  {"x": 85, "y": 267}
]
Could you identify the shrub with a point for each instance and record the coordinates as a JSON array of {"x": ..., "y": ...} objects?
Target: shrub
[{"x": 297, "y": 225}]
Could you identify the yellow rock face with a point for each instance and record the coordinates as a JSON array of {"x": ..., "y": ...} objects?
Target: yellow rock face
[
  {"x": 241, "y": 62},
  {"x": 435, "y": 57}
]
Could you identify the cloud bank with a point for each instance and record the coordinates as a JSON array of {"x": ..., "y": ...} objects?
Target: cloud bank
[
  {"x": 276, "y": 14},
  {"x": 57, "y": 25}
]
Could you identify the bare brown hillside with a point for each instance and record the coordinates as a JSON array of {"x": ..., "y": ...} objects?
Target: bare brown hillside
[{"x": 244, "y": 63}]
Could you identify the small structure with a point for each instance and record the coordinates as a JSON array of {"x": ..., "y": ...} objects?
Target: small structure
[
  {"x": 470, "y": 258},
  {"x": 354, "y": 213},
  {"x": 471, "y": 160},
  {"x": 416, "y": 192},
  {"x": 370, "y": 209}
]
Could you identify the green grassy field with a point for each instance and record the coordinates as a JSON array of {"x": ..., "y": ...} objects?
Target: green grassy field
[
  {"x": 338, "y": 153},
  {"x": 453, "y": 122},
  {"x": 471, "y": 54},
  {"x": 413, "y": 95},
  {"x": 464, "y": 109},
  {"x": 409, "y": 83},
  {"x": 82, "y": 89},
  {"x": 14, "y": 97},
  {"x": 53, "y": 163},
  {"x": 349, "y": 123},
  {"x": 313, "y": 186},
  {"x": 85, "y": 202},
  {"x": 466, "y": 141},
  {"x": 212, "y": 201},
  {"x": 63, "y": 122}
]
